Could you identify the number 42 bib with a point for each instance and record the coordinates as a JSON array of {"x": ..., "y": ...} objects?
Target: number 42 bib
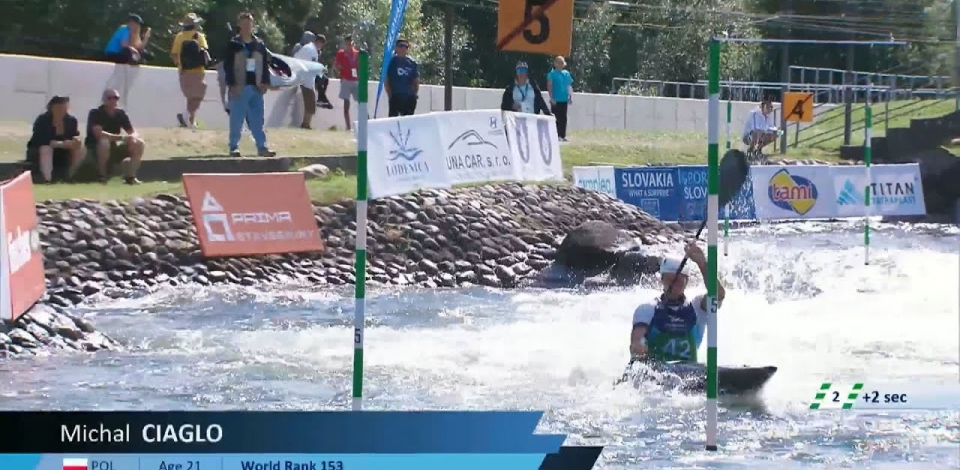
[{"x": 673, "y": 347}]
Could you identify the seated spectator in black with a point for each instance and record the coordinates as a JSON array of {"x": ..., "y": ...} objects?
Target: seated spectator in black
[
  {"x": 55, "y": 142},
  {"x": 403, "y": 81},
  {"x": 129, "y": 42},
  {"x": 105, "y": 127}
]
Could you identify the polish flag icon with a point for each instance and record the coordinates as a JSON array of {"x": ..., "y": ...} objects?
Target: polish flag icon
[{"x": 74, "y": 464}]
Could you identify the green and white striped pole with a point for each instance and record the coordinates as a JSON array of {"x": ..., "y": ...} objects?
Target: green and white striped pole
[
  {"x": 713, "y": 209},
  {"x": 726, "y": 208},
  {"x": 867, "y": 156},
  {"x": 360, "y": 250}
]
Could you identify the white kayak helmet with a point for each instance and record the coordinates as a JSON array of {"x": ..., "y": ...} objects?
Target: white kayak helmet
[{"x": 670, "y": 265}]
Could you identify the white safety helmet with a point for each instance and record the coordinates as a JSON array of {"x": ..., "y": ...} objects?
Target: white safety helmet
[{"x": 671, "y": 265}]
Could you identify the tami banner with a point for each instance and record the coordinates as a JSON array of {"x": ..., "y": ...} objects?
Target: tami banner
[{"x": 397, "y": 9}]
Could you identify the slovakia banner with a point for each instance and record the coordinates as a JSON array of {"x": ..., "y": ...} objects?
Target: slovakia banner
[
  {"x": 596, "y": 178},
  {"x": 894, "y": 190},
  {"x": 398, "y": 8},
  {"x": 693, "y": 197},
  {"x": 475, "y": 147},
  {"x": 652, "y": 189},
  {"x": 793, "y": 191},
  {"x": 405, "y": 154},
  {"x": 535, "y": 145},
  {"x": 772, "y": 192}
]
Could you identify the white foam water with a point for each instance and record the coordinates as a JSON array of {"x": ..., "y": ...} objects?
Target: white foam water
[{"x": 799, "y": 298}]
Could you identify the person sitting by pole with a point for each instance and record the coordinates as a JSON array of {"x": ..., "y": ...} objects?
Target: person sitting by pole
[{"x": 759, "y": 130}]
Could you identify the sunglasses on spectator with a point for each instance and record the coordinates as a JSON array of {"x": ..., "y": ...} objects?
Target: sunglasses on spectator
[
  {"x": 522, "y": 70},
  {"x": 403, "y": 45},
  {"x": 113, "y": 98}
]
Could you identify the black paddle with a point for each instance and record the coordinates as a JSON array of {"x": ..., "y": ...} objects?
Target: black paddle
[{"x": 734, "y": 168}]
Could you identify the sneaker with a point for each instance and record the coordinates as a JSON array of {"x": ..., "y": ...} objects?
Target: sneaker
[
  {"x": 235, "y": 154},
  {"x": 181, "y": 120},
  {"x": 267, "y": 153},
  {"x": 131, "y": 180}
]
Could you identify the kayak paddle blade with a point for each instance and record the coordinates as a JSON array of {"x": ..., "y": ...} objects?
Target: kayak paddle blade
[{"x": 734, "y": 168}]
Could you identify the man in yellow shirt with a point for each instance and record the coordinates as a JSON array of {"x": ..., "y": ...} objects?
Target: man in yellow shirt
[{"x": 189, "y": 52}]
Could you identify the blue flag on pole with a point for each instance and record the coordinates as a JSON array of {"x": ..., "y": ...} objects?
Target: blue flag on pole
[{"x": 397, "y": 10}]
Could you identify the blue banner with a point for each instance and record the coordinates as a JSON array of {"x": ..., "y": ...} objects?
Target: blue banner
[
  {"x": 655, "y": 190},
  {"x": 693, "y": 197},
  {"x": 397, "y": 9},
  {"x": 676, "y": 193}
]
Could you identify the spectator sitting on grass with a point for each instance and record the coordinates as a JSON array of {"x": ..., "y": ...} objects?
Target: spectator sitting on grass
[
  {"x": 55, "y": 142},
  {"x": 105, "y": 125},
  {"x": 129, "y": 41},
  {"x": 759, "y": 130}
]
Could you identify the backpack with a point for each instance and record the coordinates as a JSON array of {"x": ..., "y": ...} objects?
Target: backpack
[{"x": 192, "y": 55}]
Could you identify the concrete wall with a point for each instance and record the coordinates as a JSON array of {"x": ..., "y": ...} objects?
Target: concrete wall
[{"x": 152, "y": 97}]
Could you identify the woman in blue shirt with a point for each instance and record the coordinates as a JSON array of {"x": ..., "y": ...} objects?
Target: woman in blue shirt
[
  {"x": 560, "y": 87},
  {"x": 127, "y": 44}
]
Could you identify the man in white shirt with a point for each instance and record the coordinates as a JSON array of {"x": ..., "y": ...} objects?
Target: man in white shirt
[
  {"x": 309, "y": 52},
  {"x": 760, "y": 130}
]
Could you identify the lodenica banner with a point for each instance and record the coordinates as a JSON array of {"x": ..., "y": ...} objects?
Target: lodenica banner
[
  {"x": 596, "y": 178},
  {"x": 895, "y": 190},
  {"x": 793, "y": 192},
  {"x": 535, "y": 145},
  {"x": 439, "y": 150},
  {"x": 405, "y": 154},
  {"x": 475, "y": 146}
]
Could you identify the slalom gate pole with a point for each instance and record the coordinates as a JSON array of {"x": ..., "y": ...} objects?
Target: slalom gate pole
[
  {"x": 360, "y": 250},
  {"x": 713, "y": 209},
  {"x": 867, "y": 157},
  {"x": 726, "y": 208}
]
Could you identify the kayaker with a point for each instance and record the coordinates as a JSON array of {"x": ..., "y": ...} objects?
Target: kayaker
[{"x": 671, "y": 327}]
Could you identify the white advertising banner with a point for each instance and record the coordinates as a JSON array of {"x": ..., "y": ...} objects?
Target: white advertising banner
[
  {"x": 894, "y": 190},
  {"x": 535, "y": 145},
  {"x": 475, "y": 146},
  {"x": 405, "y": 154},
  {"x": 595, "y": 178},
  {"x": 793, "y": 192}
]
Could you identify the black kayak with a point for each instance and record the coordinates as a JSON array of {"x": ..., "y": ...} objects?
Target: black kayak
[{"x": 692, "y": 378}]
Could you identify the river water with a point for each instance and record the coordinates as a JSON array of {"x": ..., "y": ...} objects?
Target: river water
[{"x": 799, "y": 298}]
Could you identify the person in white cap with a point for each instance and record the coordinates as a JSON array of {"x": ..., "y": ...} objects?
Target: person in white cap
[{"x": 671, "y": 326}]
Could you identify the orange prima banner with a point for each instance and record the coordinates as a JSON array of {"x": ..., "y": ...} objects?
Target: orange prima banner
[
  {"x": 252, "y": 214},
  {"x": 22, "y": 281}
]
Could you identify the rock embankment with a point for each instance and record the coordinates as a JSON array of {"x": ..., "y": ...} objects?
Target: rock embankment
[{"x": 494, "y": 235}]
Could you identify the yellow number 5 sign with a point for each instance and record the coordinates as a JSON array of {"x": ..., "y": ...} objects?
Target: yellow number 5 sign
[{"x": 535, "y": 26}]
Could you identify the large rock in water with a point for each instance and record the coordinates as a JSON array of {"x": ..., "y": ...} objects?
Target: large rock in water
[{"x": 598, "y": 253}]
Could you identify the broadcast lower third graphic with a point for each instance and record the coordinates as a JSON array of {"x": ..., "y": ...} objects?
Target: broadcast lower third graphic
[{"x": 862, "y": 396}]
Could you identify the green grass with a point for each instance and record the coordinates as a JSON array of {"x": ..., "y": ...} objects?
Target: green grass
[
  {"x": 585, "y": 148},
  {"x": 164, "y": 143},
  {"x": 895, "y": 114}
]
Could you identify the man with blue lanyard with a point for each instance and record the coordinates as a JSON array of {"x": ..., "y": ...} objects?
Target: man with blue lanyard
[{"x": 671, "y": 327}]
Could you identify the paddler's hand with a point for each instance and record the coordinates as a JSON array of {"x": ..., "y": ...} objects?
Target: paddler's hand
[
  {"x": 638, "y": 349},
  {"x": 695, "y": 253}
]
